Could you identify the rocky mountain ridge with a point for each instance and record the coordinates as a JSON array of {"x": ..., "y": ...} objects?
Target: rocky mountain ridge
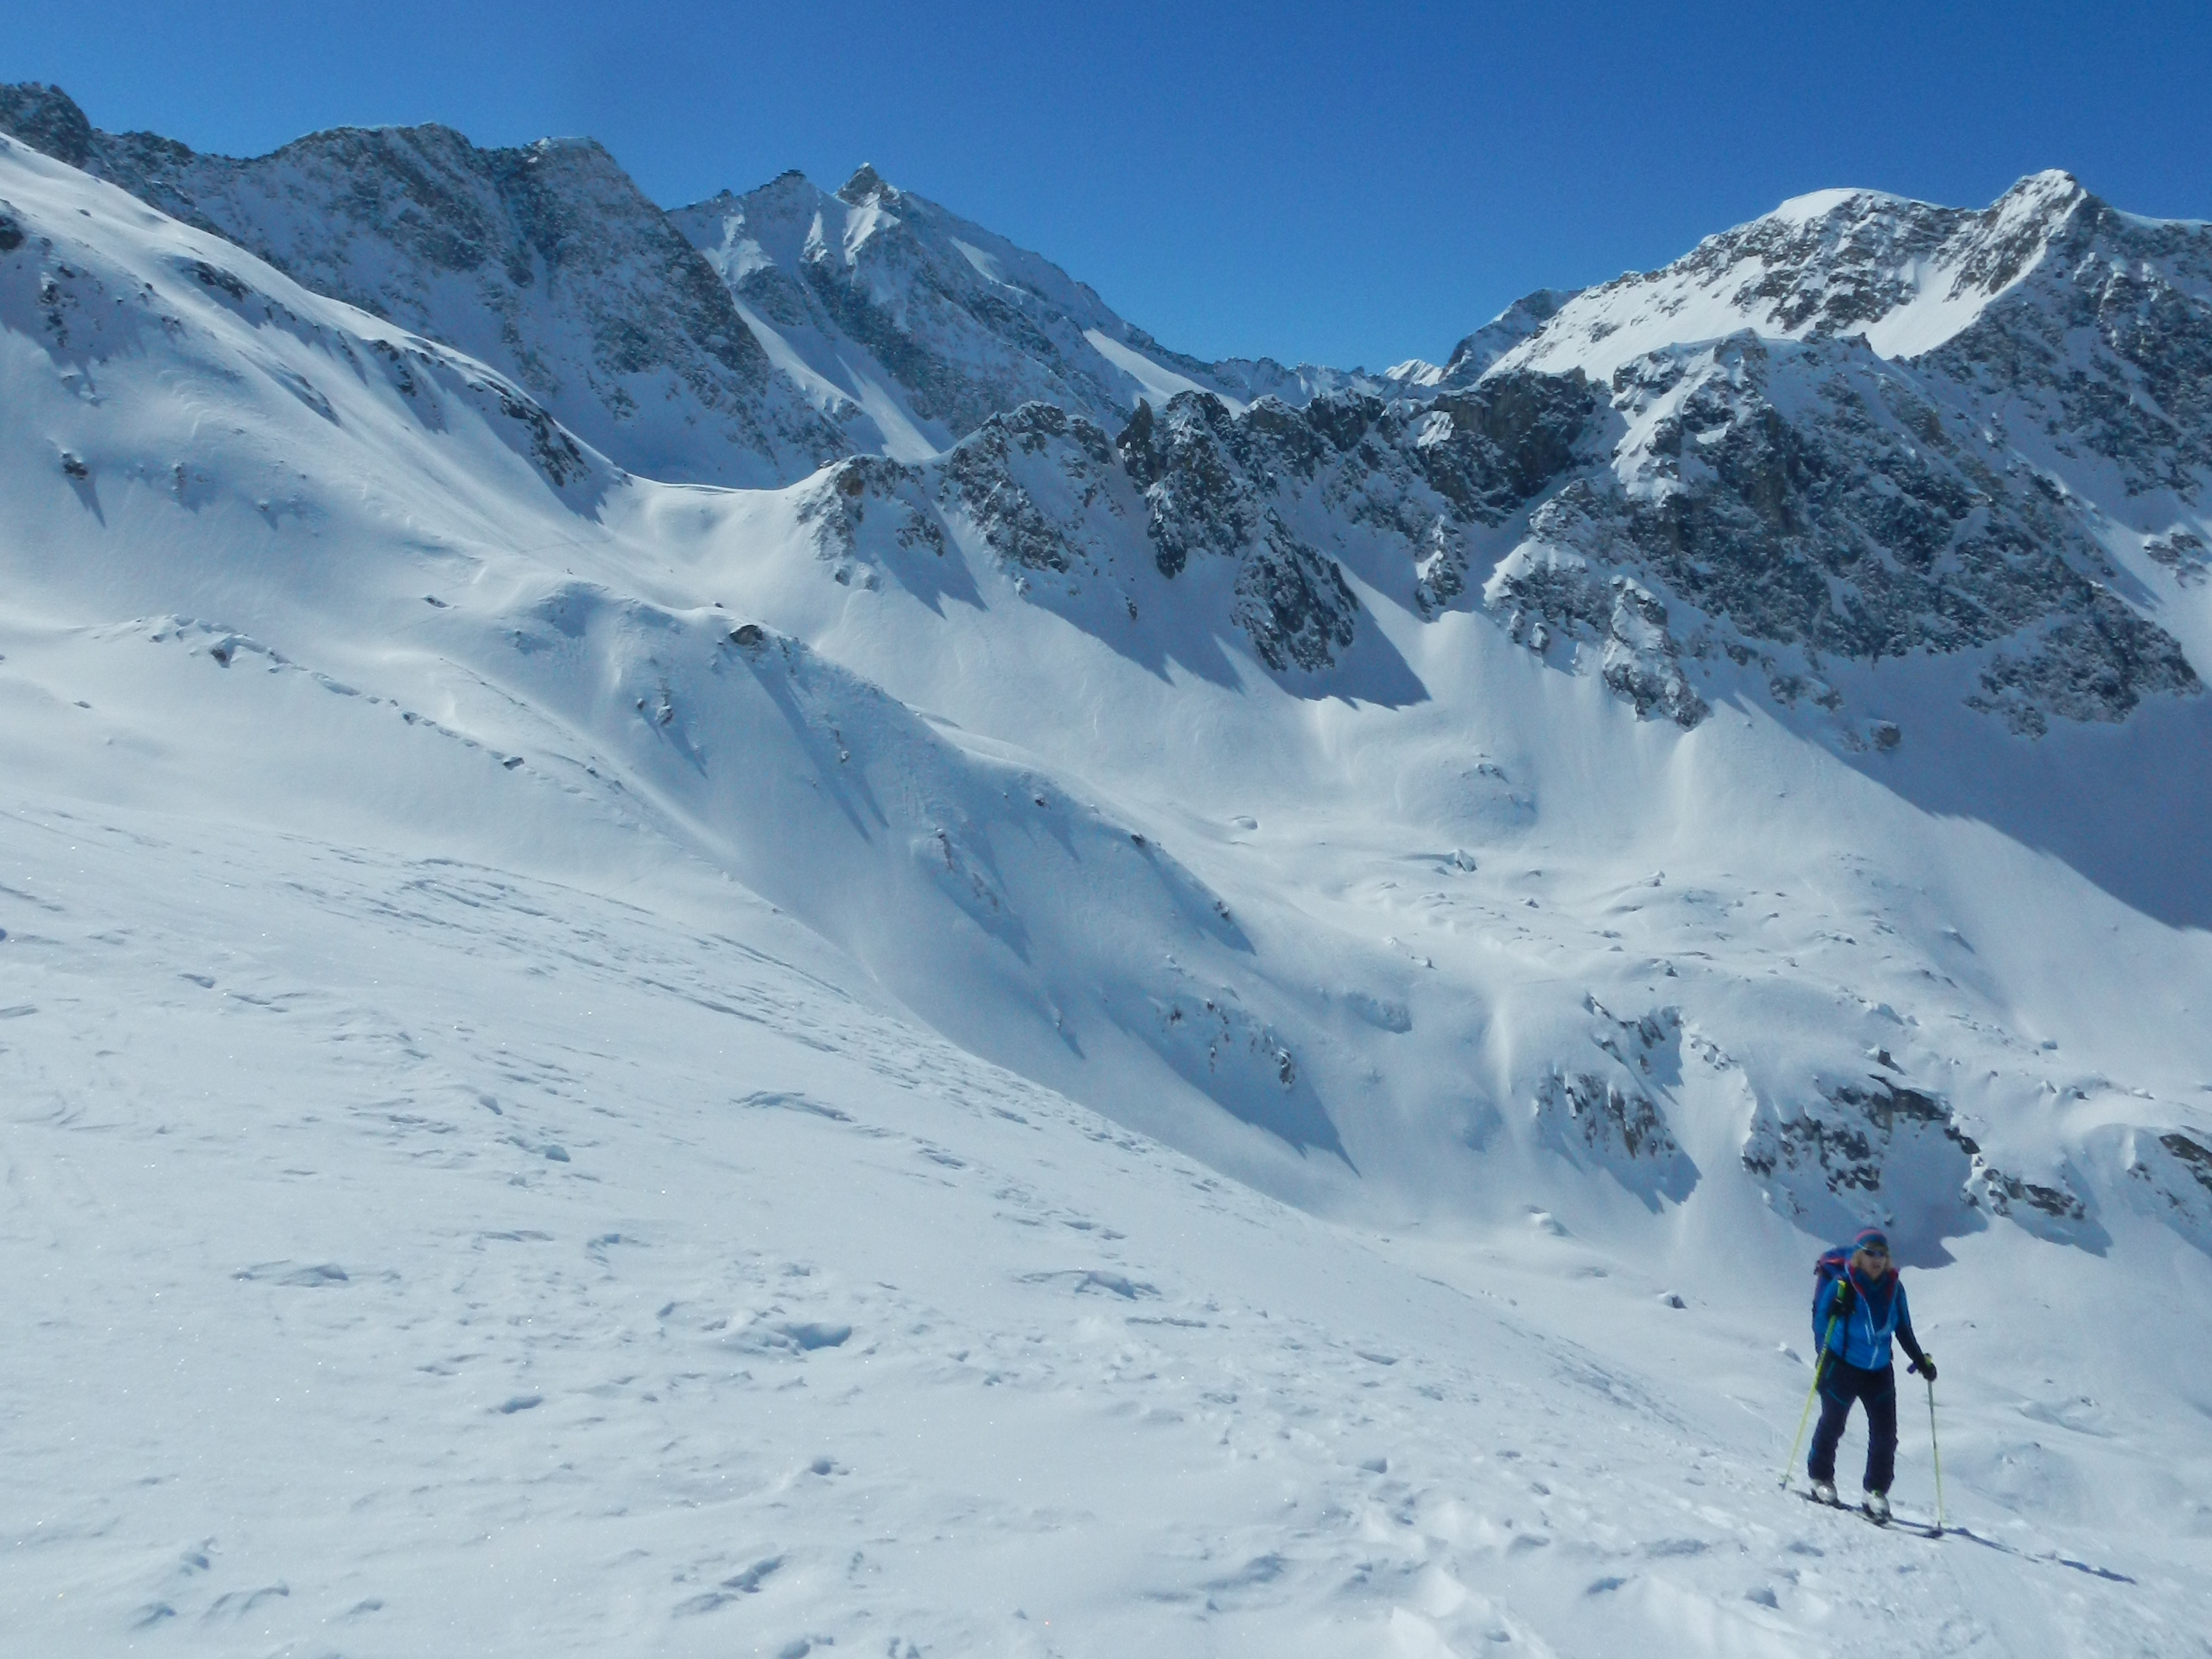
[
  {"x": 1935, "y": 430},
  {"x": 927, "y": 324},
  {"x": 545, "y": 262},
  {"x": 1858, "y": 429},
  {"x": 1745, "y": 515},
  {"x": 809, "y": 325},
  {"x": 499, "y": 954}
]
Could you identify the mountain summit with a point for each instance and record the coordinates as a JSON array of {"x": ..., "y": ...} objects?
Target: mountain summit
[
  {"x": 1904, "y": 275},
  {"x": 915, "y": 326}
]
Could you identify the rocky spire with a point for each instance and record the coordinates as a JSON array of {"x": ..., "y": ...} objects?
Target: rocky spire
[
  {"x": 47, "y": 120},
  {"x": 865, "y": 185}
]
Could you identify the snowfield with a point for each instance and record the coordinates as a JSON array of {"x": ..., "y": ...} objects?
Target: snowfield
[
  {"x": 383, "y": 1293},
  {"x": 598, "y": 1066}
]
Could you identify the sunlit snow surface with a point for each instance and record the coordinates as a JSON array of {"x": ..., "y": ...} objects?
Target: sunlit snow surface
[{"x": 488, "y": 1168}]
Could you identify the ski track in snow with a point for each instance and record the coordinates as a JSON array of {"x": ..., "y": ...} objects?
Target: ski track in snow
[{"x": 386, "y": 1299}]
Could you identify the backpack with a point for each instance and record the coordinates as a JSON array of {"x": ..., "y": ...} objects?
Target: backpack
[{"x": 1833, "y": 1265}]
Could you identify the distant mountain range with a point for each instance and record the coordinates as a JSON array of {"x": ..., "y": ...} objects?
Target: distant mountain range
[{"x": 1860, "y": 428}]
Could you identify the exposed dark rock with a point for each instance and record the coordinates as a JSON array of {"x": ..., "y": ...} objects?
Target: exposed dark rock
[
  {"x": 1815, "y": 496},
  {"x": 981, "y": 476},
  {"x": 1761, "y": 502},
  {"x": 2171, "y": 1174},
  {"x": 1191, "y": 463},
  {"x": 1606, "y": 1117},
  {"x": 1854, "y": 1152},
  {"x": 2196, "y": 1158},
  {"x": 1611, "y": 1119},
  {"x": 1472, "y": 357},
  {"x": 2001, "y": 1192},
  {"x": 2092, "y": 663},
  {"x": 47, "y": 120},
  {"x": 1294, "y": 604},
  {"x": 1243, "y": 1062}
]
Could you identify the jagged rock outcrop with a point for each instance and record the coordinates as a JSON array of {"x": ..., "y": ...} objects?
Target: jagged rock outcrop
[
  {"x": 1613, "y": 1117},
  {"x": 1195, "y": 487},
  {"x": 1735, "y": 515},
  {"x": 1816, "y": 497},
  {"x": 1913, "y": 430},
  {"x": 1854, "y": 429},
  {"x": 1262, "y": 485},
  {"x": 1865, "y": 1152},
  {"x": 1474, "y": 356},
  {"x": 1027, "y": 523}
]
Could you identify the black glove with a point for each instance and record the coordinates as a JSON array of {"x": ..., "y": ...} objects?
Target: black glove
[
  {"x": 1841, "y": 1307},
  {"x": 1925, "y": 1366}
]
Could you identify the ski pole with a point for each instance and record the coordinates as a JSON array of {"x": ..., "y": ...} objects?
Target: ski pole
[
  {"x": 1806, "y": 1416},
  {"x": 1935, "y": 1450}
]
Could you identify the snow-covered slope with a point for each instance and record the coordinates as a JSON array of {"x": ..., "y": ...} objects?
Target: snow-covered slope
[
  {"x": 379, "y": 1292},
  {"x": 1904, "y": 275},
  {"x": 594, "y": 1062}
]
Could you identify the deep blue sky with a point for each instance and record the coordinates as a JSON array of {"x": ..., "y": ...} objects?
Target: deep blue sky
[{"x": 1341, "y": 183}]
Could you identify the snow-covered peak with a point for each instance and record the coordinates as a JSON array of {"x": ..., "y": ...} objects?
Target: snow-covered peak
[
  {"x": 1904, "y": 275},
  {"x": 1472, "y": 357},
  {"x": 817, "y": 324},
  {"x": 546, "y": 261},
  {"x": 897, "y": 315},
  {"x": 1820, "y": 204},
  {"x": 865, "y": 185}
]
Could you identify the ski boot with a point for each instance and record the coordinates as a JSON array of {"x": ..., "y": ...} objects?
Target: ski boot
[
  {"x": 1876, "y": 1505},
  {"x": 1824, "y": 1491}
]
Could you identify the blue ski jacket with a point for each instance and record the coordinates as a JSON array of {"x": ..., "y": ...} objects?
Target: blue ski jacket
[{"x": 1879, "y": 1311}]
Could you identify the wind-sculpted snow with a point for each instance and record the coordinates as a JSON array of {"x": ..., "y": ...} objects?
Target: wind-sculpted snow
[
  {"x": 382, "y": 1291},
  {"x": 917, "y": 856}
]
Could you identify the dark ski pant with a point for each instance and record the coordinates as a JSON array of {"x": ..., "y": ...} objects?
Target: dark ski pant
[{"x": 1840, "y": 1384}]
